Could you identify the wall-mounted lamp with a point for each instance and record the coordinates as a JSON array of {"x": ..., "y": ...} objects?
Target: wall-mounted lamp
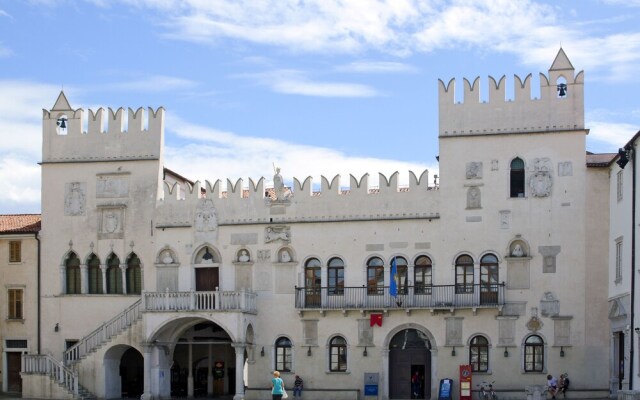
[
  {"x": 506, "y": 352},
  {"x": 262, "y": 352},
  {"x": 56, "y": 328},
  {"x": 561, "y": 351},
  {"x": 637, "y": 330},
  {"x": 453, "y": 352},
  {"x": 364, "y": 353},
  {"x": 309, "y": 351}
]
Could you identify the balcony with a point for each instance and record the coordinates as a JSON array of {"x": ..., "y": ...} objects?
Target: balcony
[
  {"x": 445, "y": 297},
  {"x": 239, "y": 300}
]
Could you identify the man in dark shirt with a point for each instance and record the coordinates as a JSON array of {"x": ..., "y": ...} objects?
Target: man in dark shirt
[{"x": 297, "y": 387}]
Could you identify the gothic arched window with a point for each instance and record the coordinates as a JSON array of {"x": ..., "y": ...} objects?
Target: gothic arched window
[
  {"x": 134, "y": 275},
  {"x": 517, "y": 178},
  {"x": 95, "y": 275},
  {"x": 114, "y": 275},
  {"x": 72, "y": 270}
]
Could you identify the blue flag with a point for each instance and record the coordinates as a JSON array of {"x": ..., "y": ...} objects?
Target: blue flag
[{"x": 393, "y": 286}]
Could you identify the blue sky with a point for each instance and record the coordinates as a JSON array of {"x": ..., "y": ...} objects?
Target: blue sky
[{"x": 316, "y": 87}]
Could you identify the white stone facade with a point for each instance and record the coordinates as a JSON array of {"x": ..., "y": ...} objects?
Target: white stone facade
[{"x": 222, "y": 287}]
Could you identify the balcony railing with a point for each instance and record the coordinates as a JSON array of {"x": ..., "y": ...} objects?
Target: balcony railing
[
  {"x": 241, "y": 300},
  {"x": 412, "y": 297}
]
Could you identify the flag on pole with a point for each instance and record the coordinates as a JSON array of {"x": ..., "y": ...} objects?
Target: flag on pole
[{"x": 393, "y": 286}]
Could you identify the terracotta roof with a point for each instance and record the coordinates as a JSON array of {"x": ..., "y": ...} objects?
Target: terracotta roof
[
  {"x": 19, "y": 223},
  {"x": 600, "y": 160}
]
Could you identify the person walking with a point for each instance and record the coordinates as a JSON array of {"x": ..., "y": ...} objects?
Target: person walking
[
  {"x": 297, "y": 387},
  {"x": 277, "y": 386}
]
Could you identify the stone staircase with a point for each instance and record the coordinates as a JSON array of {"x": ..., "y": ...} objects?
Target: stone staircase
[{"x": 104, "y": 333}]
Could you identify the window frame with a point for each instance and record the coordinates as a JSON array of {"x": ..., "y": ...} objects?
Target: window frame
[
  {"x": 619, "y": 258},
  {"x": 94, "y": 275},
  {"x": 73, "y": 284},
  {"x": 517, "y": 179},
  {"x": 464, "y": 270},
  {"x": 15, "y": 251},
  {"x": 375, "y": 276},
  {"x": 534, "y": 350},
  {"x": 15, "y": 304},
  {"x": 619, "y": 184},
  {"x": 338, "y": 354},
  {"x": 335, "y": 277},
  {"x": 479, "y": 350},
  {"x": 402, "y": 266},
  {"x": 425, "y": 272},
  {"x": 283, "y": 354},
  {"x": 114, "y": 278},
  {"x": 134, "y": 274}
]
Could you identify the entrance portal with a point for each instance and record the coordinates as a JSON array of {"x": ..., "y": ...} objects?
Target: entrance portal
[
  {"x": 409, "y": 365},
  {"x": 132, "y": 374}
]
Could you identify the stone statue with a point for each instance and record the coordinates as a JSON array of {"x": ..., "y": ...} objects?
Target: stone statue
[
  {"x": 517, "y": 251},
  {"x": 278, "y": 185},
  {"x": 166, "y": 257},
  {"x": 285, "y": 256},
  {"x": 244, "y": 256}
]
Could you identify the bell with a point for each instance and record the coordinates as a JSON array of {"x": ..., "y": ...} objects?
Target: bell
[
  {"x": 562, "y": 90},
  {"x": 62, "y": 123}
]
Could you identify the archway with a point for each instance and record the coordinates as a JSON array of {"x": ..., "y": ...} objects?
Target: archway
[
  {"x": 410, "y": 365},
  {"x": 124, "y": 372}
]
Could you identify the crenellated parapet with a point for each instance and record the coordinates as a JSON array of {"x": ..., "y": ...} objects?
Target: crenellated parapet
[
  {"x": 253, "y": 204},
  {"x": 559, "y": 107},
  {"x": 110, "y": 135}
]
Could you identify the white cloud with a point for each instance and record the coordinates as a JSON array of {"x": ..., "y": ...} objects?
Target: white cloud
[
  {"x": 236, "y": 156},
  {"x": 153, "y": 84},
  {"x": 296, "y": 82},
  {"x": 608, "y": 137},
  {"x": 376, "y": 67}
]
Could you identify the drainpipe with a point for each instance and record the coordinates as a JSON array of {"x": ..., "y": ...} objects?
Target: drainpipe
[
  {"x": 632, "y": 158},
  {"x": 38, "y": 294}
]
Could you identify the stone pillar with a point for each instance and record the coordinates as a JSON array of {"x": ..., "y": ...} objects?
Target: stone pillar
[
  {"x": 210, "y": 372},
  {"x": 190, "y": 376},
  {"x": 239, "y": 347},
  {"x": 103, "y": 269},
  {"x": 147, "y": 372},
  {"x": 123, "y": 270},
  {"x": 84, "y": 279},
  {"x": 383, "y": 383},
  {"x": 63, "y": 281}
]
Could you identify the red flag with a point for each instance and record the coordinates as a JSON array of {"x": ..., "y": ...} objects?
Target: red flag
[{"x": 375, "y": 319}]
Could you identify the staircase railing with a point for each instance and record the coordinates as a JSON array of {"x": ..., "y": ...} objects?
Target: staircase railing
[
  {"x": 56, "y": 370},
  {"x": 104, "y": 332}
]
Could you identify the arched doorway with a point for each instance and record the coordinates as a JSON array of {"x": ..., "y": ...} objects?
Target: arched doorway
[
  {"x": 132, "y": 374},
  {"x": 409, "y": 365},
  {"x": 124, "y": 372}
]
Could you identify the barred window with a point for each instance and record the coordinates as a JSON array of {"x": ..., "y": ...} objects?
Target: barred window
[
  {"x": 15, "y": 303},
  {"x": 15, "y": 251}
]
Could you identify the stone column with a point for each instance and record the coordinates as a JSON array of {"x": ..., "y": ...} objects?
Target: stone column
[
  {"x": 210, "y": 372},
  {"x": 239, "y": 347},
  {"x": 147, "y": 372},
  {"x": 123, "y": 269},
  {"x": 383, "y": 383},
  {"x": 103, "y": 269},
  {"x": 84, "y": 279},
  {"x": 63, "y": 282},
  {"x": 190, "y": 376}
]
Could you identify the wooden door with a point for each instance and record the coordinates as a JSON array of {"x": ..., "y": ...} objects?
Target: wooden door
[
  {"x": 313, "y": 283},
  {"x": 207, "y": 279},
  {"x": 402, "y": 365},
  {"x": 14, "y": 363}
]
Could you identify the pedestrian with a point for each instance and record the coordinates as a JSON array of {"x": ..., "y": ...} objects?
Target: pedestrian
[
  {"x": 552, "y": 384},
  {"x": 298, "y": 384},
  {"x": 564, "y": 384},
  {"x": 415, "y": 385},
  {"x": 277, "y": 386}
]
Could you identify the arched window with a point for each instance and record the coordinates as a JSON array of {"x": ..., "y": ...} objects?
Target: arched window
[
  {"x": 95, "y": 275},
  {"x": 72, "y": 270},
  {"x": 489, "y": 279},
  {"x": 338, "y": 354},
  {"x": 464, "y": 274},
  {"x": 283, "y": 354},
  {"x": 403, "y": 271},
  {"x": 114, "y": 275},
  {"x": 422, "y": 275},
  {"x": 517, "y": 177},
  {"x": 336, "y": 276},
  {"x": 312, "y": 282},
  {"x": 375, "y": 276},
  {"x": 534, "y": 354},
  {"x": 479, "y": 354},
  {"x": 134, "y": 275}
]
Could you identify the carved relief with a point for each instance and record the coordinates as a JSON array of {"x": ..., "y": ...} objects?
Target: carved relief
[
  {"x": 365, "y": 333},
  {"x": 206, "y": 216},
  {"x": 541, "y": 181},
  {"x": 112, "y": 186},
  {"x": 549, "y": 254},
  {"x": 474, "y": 170},
  {"x": 243, "y": 256},
  {"x": 75, "y": 198},
  {"x": 549, "y": 305},
  {"x": 111, "y": 223},
  {"x": 274, "y": 233},
  {"x": 264, "y": 255},
  {"x": 494, "y": 165},
  {"x": 505, "y": 219},
  {"x": 565, "y": 168},
  {"x": 473, "y": 197}
]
